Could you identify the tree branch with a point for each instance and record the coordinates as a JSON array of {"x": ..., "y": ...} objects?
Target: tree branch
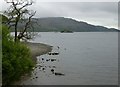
[{"x": 26, "y": 26}]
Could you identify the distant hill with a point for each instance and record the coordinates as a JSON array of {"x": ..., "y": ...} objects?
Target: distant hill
[{"x": 67, "y": 24}]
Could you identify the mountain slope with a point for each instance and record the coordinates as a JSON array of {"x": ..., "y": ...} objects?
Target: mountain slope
[{"x": 61, "y": 24}]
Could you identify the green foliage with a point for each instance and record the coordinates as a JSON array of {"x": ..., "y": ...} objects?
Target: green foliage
[
  {"x": 16, "y": 59},
  {"x": 0, "y": 54},
  {"x": 3, "y": 18}
]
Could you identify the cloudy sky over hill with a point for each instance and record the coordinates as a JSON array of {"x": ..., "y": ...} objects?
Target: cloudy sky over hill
[{"x": 97, "y": 13}]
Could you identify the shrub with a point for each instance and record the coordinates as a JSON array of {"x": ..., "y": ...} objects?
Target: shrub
[{"x": 16, "y": 59}]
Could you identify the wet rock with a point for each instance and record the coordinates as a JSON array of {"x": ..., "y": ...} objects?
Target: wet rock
[
  {"x": 36, "y": 77},
  {"x": 47, "y": 60},
  {"x": 52, "y": 70},
  {"x": 43, "y": 68},
  {"x": 55, "y": 53},
  {"x": 59, "y": 74},
  {"x": 42, "y": 58},
  {"x": 49, "y": 53},
  {"x": 39, "y": 67},
  {"x": 54, "y": 66},
  {"x": 53, "y": 60},
  {"x": 58, "y": 47},
  {"x": 35, "y": 67}
]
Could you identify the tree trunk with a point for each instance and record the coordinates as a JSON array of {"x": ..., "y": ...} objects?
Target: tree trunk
[{"x": 16, "y": 32}]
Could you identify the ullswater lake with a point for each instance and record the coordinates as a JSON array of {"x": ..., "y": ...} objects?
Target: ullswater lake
[{"x": 84, "y": 58}]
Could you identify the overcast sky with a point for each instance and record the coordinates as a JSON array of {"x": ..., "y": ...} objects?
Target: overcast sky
[{"x": 97, "y": 13}]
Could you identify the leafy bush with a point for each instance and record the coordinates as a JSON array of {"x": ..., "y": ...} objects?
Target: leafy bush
[
  {"x": 3, "y": 18},
  {"x": 16, "y": 59}
]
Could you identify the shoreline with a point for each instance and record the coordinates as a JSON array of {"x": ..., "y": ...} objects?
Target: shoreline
[{"x": 38, "y": 49}]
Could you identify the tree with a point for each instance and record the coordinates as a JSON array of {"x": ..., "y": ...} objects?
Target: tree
[{"x": 18, "y": 13}]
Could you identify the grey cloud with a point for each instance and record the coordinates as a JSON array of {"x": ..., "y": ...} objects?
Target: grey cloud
[
  {"x": 86, "y": 7},
  {"x": 98, "y": 13}
]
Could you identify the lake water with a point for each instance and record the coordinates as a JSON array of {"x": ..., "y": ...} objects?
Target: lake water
[{"x": 85, "y": 58}]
